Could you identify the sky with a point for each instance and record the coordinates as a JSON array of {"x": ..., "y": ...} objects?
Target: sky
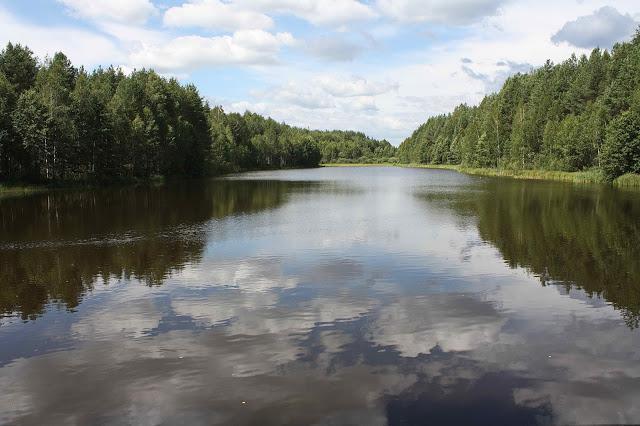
[{"x": 378, "y": 66}]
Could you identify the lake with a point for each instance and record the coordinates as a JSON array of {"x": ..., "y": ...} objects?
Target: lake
[{"x": 328, "y": 296}]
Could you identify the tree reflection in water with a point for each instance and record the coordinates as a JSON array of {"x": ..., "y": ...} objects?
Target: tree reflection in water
[
  {"x": 57, "y": 246},
  {"x": 585, "y": 238}
]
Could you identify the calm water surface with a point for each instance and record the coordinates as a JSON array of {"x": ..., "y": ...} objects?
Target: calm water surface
[{"x": 329, "y": 297}]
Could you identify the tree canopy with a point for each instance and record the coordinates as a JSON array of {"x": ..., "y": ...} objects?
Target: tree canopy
[
  {"x": 62, "y": 123},
  {"x": 581, "y": 114}
]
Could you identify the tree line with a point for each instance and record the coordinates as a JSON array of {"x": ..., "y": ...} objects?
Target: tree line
[
  {"x": 581, "y": 114},
  {"x": 62, "y": 123}
]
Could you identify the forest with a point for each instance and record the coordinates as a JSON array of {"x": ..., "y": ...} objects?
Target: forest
[
  {"x": 580, "y": 115},
  {"x": 59, "y": 123}
]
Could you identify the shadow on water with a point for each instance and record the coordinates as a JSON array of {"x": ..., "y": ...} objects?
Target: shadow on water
[
  {"x": 585, "y": 238},
  {"x": 57, "y": 246}
]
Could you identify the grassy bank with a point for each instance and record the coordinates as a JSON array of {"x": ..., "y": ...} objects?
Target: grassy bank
[
  {"x": 628, "y": 181},
  {"x": 591, "y": 176},
  {"x": 21, "y": 189},
  {"x": 7, "y": 190}
]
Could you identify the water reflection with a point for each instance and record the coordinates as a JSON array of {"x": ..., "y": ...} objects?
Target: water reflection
[
  {"x": 571, "y": 236},
  {"x": 440, "y": 322},
  {"x": 351, "y": 296},
  {"x": 57, "y": 246}
]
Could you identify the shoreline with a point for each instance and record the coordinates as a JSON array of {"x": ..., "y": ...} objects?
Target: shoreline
[
  {"x": 587, "y": 177},
  {"x": 21, "y": 189},
  {"x": 18, "y": 189},
  {"x": 628, "y": 181}
]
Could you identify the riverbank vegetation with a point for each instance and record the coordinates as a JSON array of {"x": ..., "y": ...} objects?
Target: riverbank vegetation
[
  {"x": 587, "y": 176},
  {"x": 62, "y": 124},
  {"x": 582, "y": 115}
]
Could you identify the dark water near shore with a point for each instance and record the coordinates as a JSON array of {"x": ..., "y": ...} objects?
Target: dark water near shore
[{"x": 330, "y": 296}]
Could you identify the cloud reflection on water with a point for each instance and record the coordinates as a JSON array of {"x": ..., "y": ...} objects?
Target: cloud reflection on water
[{"x": 380, "y": 307}]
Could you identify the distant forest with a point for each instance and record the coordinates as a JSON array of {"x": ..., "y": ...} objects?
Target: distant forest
[
  {"x": 582, "y": 114},
  {"x": 62, "y": 123}
]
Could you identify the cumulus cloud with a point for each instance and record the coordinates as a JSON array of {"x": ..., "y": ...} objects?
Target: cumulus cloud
[
  {"x": 260, "y": 275},
  {"x": 81, "y": 46},
  {"x": 334, "y": 48},
  {"x": 304, "y": 96},
  {"x": 248, "y": 47},
  {"x": 326, "y": 12},
  {"x": 362, "y": 104},
  {"x": 129, "y": 11},
  {"x": 215, "y": 15},
  {"x": 494, "y": 82},
  {"x": 131, "y": 319},
  {"x": 131, "y": 35},
  {"x": 603, "y": 28},
  {"x": 348, "y": 114},
  {"x": 324, "y": 92},
  {"x": 354, "y": 86},
  {"x": 439, "y": 11},
  {"x": 448, "y": 322}
]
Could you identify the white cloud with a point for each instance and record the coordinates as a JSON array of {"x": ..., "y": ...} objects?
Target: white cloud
[
  {"x": 334, "y": 48},
  {"x": 349, "y": 114},
  {"x": 216, "y": 15},
  {"x": 249, "y": 47},
  {"x": 360, "y": 104},
  {"x": 326, "y": 12},
  {"x": 292, "y": 93},
  {"x": 322, "y": 101},
  {"x": 326, "y": 92},
  {"x": 440, "y": 11},
  {"x": 132, "y": 35},
  {"x": 603, "y": 28},
  {"x": 82, "y": 47},
  {"x": 132, "y": 319},
  {"x": 127, "y": 11},
  {"x": 250, "y": 276},
  {"x": 354, "y": 86},
  {"x": 327, "y": 101},
  {"x": 450, "y": 322},
  {"x": 493, "y": 83}
]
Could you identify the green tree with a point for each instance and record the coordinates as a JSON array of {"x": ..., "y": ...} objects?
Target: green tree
[
  {"x": 8, "y": 144},
  {"x": 222, "y": 151},
  {"x": 19, "y": 66},
  {"x": 54, "y": 84},
  {"x": 572, "y": 116},
  {"x": 62, "y": 123},
  {"x": 621, "y": 151},
  {"x": 30, "y": 120}
]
